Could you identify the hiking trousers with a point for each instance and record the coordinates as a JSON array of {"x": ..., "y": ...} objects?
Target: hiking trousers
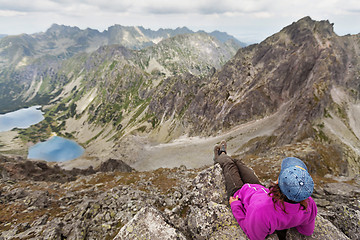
[{"x": 236, "y": 173}]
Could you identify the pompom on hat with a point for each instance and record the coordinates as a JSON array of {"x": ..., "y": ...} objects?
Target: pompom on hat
[{"x": 294, "y": 180}]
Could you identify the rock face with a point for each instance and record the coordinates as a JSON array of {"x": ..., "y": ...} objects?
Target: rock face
[
  {"x": 175, "y": 203},
  {"x": 288, "y": 67},
  {"x": 344, "y": 216}
]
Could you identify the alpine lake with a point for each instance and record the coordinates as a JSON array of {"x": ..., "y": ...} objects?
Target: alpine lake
[{"x": 55, "y": 149}]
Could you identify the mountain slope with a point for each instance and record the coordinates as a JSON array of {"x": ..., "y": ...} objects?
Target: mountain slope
[
  {"x": 293, "y": 73},
  {"x": 260, "y": 78},
  {"x": 193, "y": 53}
]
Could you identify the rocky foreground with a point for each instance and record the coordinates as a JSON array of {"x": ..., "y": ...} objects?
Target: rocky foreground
[{"x": 38, "y": 201}]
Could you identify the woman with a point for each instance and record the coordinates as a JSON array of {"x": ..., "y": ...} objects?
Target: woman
[{"x": 261, "y": 211}]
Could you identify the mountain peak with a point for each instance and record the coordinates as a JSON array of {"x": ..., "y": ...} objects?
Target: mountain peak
[
  {"x": 311, "y": 26},
  {"x": 62, "y": 29}
]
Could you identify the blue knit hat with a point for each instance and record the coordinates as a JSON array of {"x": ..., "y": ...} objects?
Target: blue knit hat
[{"x": 294, "y": 180}]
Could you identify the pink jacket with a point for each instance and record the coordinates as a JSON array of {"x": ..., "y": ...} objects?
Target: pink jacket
[{"x": 257, "y": 216}]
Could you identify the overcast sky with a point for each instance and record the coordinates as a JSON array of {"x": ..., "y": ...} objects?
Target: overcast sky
[{"x": 248, "y": 20}]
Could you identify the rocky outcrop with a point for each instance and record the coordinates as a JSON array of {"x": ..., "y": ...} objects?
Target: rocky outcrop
[
  {"x": 112, "y": 165},
  {"x": 344, "y": 216},
  {"x": 166, "y": 203}
]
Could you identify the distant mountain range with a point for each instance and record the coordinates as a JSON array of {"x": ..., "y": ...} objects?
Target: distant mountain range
[
  {"x": 151, "y": 35},
  {"x": 64, "y": 41},
  {"x": 27, "y": 59}
]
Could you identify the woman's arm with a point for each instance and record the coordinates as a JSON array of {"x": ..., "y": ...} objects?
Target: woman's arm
[
  {"x": 308, "y": 228},
  {"x": 251, "y": 223},
  {"x": 237, "y": 209}
]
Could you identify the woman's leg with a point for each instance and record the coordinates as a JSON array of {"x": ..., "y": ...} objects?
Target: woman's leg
[
  {"x": 231, "y": 173},
  {"x": 247, "y": 174}
]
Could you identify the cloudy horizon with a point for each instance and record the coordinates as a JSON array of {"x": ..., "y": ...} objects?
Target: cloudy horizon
[{"x": 248, "y": 20}]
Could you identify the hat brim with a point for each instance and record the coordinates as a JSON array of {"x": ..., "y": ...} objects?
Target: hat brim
[{"x": 292, "y": 162}]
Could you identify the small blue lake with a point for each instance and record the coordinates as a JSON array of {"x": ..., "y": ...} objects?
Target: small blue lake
[
  {"x": 56, "y": 149},
  {"x": 22, "y": 118}
]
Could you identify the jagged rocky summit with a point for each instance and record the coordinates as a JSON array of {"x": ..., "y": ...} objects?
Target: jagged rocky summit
[{"x": 175, "y": 203}]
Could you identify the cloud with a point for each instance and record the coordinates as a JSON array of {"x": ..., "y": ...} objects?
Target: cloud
[
  {"x": 206, "y": 7},
  {"x": 29, "y": 6},
  {"x": 137, "y": 6},
  {"x": 10, "y": 13},
  {"x": 255, "y": 8},
  {"x": 201, "y": 6},
  {"x": 110, "y": 5},
  {"x": 350, "y": 6},
  {"x": 262, "y": 17}
]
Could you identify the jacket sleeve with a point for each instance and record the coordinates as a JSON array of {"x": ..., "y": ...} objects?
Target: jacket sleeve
[
  {"x": 238, "y": 211},
  {"x": 308, "y": 228},
  {"x": 251, "y": 223}
]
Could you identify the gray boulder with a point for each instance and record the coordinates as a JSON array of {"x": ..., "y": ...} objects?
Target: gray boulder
[
  {"x": 209, "y": 185},
  {"x": 342, "y": 189},
  {"x": 213, "y": 221},
  {"x": 148, "y": 223},
  {"x": 324, "y": 230}
]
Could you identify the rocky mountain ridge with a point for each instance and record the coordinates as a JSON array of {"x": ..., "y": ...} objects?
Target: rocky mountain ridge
[{"x": 64, "y": 41}]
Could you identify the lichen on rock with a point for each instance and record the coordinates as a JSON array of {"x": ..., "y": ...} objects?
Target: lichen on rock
[{"x": 148, "y": 223}]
